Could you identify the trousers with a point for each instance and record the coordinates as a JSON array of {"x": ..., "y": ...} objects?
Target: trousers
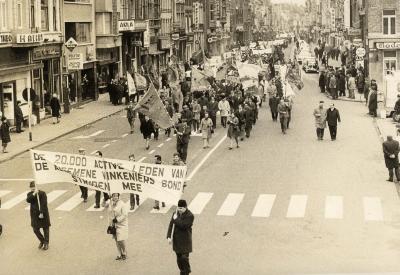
[
  {"x": 333, "y": 131},
  {"x": 223, "y": 121},
  {"x": 98, "y": 197},
  {"x": 274, "y": 115},
  {"x": 283, "y": 121},
  {"x": 391, "y": 174},
  {"x": 182, "y": 149},
  {"x": 320, "y": 133},
  {"x": 182, "y": 260},
  {"x": 43, "y": 238},
  {"x": 84, "y": 191}
]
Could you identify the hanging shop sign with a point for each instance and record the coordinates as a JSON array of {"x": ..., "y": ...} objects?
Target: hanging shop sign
[
  {"x": 28, "y": 38},
  {"x": 75, "y": 61},
  {"x": 6, "y": 38},
  {"x": 354, "y": 32},
  {"x": 146, "y": 35},
  {"x": 387, "y": 45},
  {"x": 45, "y": 52},
  {"x": 131, "y": 25}
]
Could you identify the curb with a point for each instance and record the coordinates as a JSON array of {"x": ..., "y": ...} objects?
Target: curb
[
  {"x": 12, "y": 156},
  {"x": 378, "y": 130}
]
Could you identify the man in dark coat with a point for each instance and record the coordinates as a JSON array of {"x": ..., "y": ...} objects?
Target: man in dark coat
[
  {"x": 19, "y": 117},
  {"x": 341, "y": 84},
  {"x": 273, "y": 105},
  {"x": 391, "y": 151},
  {"x": 322, "y": 82},
  {"x": 332, "y": 117},
  {"x": 55, "y": 108},
  {"x": 373, "y": 101},
  {"x": 180, "y": 235},
  {"x": 183, "y": 131},
  {"x": 249, "y": 119},
  {"x": 40, "y": 217},
  {"x": 212, "y": 108}
]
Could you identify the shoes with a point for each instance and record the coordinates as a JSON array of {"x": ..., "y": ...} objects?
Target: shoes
[
  {"x": 147, "y": 147},
  {"x": 131, "y": 132},
  {"x": 40, "y": 245},
  {"x": 4, "y": 151},
  {"x": 230, "y": 148},
  {"x": 119, "y": 258},
  {"x": 237, "y": 146},
  {"x": 123, "y": 257},
  {"x": 390, "y": 180},
  {"x": 132, "y": 207},
  {"x": 96, "y": 206},
  {"x": 241, "y": 139},
  {"x": 156, "y": 207},
  {"x": 45, "y": 246},
  {"x": 163, "y": 204},
  {"x": 84, "y": 200}
]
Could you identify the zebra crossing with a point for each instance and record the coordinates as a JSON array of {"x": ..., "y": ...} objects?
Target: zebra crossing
[{"x": 264, "y": 206}]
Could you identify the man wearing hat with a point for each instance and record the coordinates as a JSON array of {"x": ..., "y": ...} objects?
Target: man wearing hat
[
  {"x": 320, "y": 120},
  {"x": 131, "y": 115},
  {"x": 391, "y": 151},
  {"x": 182, "y": 138},
  {"x": 84, "y": 190},
  {"x": 180, "y": 235},
  {"x": 40, "y": 217}
]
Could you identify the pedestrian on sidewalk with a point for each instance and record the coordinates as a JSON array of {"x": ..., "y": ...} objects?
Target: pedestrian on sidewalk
[
  {"x": 133, "y": 198},
  {"x": 333, "y": 86},
  {"x": 352, "y": 86},
  {"x": 283, "y": 115},
  {"x": 360, "y": 80},
  {"x": 19, "y": 117},
  {"x": 320, "y": 120},
  {"x": 233, "y": 130},
  {"x": 5, "y": 133},
  {"x": 98, "y": 193},
  {"x": 391, "y": 151},
  {"x": 332, "y": 117},
  {"x": 147, "y": 128},
  {"x": 55, "y": 109},
  {"x": 158, "y": 160},
  {"x": 322, "y": 81},
  {"x": 273, "y": 106},
  {"x": 373, "y": 101},
  {"x": 119, "y": 216},
  {"x": 180, "y": 235},
  {"x": 341, "y": 83},
  {"x": 84, "y": 190},
  {"x": 131, "y": 115},
  {"x": 39, "y": 213},
  {"x": 366, "y": 91}
]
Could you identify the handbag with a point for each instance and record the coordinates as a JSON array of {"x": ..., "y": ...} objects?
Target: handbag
[
  {"x": 111, "y": 229},
  {"x": 41, "y": 216}
]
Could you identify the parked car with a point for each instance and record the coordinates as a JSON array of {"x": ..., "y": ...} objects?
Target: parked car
[{"x": 310, "y": 65}]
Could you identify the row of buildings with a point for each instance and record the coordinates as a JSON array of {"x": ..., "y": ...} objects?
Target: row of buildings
[
  {"x": 73, "y": 48},
  {"x": 373, "y": 25}
]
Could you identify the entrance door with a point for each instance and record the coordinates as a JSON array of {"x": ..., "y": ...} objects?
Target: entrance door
[{"x": 389, "y": 62}]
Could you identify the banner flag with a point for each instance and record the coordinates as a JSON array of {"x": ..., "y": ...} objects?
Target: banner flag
[
  {"x": 151, "y": 105},
  {"x": 248, "y": 70},
  {"x": 131, "y": 84},
  {"x": 293, "y": 76},
  {"x": 141, "y": 82},
  {"x": 199, "y": 81},
  {"x": 156, "y": 181}
]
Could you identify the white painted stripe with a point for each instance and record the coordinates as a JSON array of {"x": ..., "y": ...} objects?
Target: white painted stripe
[
  {"x": 114, "y": 140},
  {"x": 373, "y": 209},
  {"x": 264, "y": 205},
  {"x": 160, "y": 145},
  {"x": 4, "y": 192},
  {"x": 151, "y": 152},
  {"x": 73, "y": 202},
  {"x": 124, "y": 135},
  {"x": 163, "y": 210},
  {"x": 297, "y": 206},
  {"x": 94, "y": 152},
  {"x": 52, "y": 196},
  {"x": 105, "y": 145},
  {"x": 142, "y": 159},
  {"x": 205, "y": 158},
  {"x": 17, "y": 179},
  {"x": 231, "y": 204},
  {"x": 97, "y": 133},
  {"x": 168, "y": 139},
  {"x": 334, "y": 207},
  {"x": 14, "y": 201},
  {"x": 92, "y": 209},
  {"x": 199, "y": 202}
]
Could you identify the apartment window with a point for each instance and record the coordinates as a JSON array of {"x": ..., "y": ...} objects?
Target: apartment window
[
  {"x": 78, "y": 1},
  {"x": 79, "y": 31},
  {"x": 19, "y": 15},
  {"x": 103, "y": 23},
  {"x": 32, "y": 14},
  {"x": 389, "y": 61},
  {"x": 55, "y": 16},
  {"x": 44, "y": 14},
  {"x": 389, "y": 22},
  {"x": 3, "y": 17}
]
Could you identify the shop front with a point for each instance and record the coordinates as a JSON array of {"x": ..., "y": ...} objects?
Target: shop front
[
  {"x": 165, "y": 46},
  {"x": 107, "y": 67}
]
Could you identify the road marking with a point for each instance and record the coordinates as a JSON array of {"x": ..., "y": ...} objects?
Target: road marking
[
  {"x": 160, "y": 145},
  {"x": 94, "y": 152},
  {"x": 114, "y": 140},
  {"x": 92, "y": 209},
  {"x": 163, "y": 210},
  {"x": 142, "y": 159},
  {"x": 17, "y": 179},
  {"x": 4, "y": 192},
  {"x": 199, "y": 202},
  {"x": 372, "y": 209},
  {"x": 297, "y": 206},
  {"x": 264, "y": 205},
  {"x": 105, "y": 145},
  {"x": 151, "y": 152},
  {"x": 231, "y": 204},
  {"x": 168, "y": 139},
  {"x": 14, "y": 201},
  {"x": 73, "y": 202},
  {"x": 52, "y": 196},
  {"x": 334, "y": 207},
  {"x": 89, "y": 136},
  {"x": 124, "y": 135},
  {"x": 205, "y": 158}
]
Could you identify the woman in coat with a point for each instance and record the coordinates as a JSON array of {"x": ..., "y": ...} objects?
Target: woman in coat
[
  {"x": 373, "y": 101},
  {"x": 352, "y": 86},
  {"x": 233, "y": 130},
  {"x": 5, "y": 133},
  {"x": 206, "y": 127},
  {"x": 119, "y": 212},
  {"x": 147, "y": 128},
  {"x": 55, "y": 109}
]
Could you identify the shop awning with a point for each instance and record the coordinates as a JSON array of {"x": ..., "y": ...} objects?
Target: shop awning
[{"x": 21, "y": 68}]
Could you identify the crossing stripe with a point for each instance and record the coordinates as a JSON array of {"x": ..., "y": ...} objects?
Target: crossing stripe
[
  {"x": 163, "y": 210},
  {"x": 4, "y": 192},
  {"x": 151, "y": 152},
  {"x": 142, "y": 159},
  {"x": 297, "y": 206},
  {"x": 160, "y": 145},
  {"x": 372, "y": 209},
  {"x": 124, "y": 135},
  {"x": 334, "y": 207},
  {"x": 14, "y": 201},
  {"x": 263, "y": 205},
  {"x": 168, "y": 139},
  {"x": 73, "y": 202},
  {"x": 231, "y": 204},
  {"x": 199, "y": 202},
  {"x": 52, "y": 196}
]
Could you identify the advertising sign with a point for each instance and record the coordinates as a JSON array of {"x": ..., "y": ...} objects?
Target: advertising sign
[{"x": 75, "y": 61}]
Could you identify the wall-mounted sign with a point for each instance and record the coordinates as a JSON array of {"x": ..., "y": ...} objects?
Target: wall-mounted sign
[
  {"x": 71, "y": 44},
  {"x": 131, "y": 25},
  {"x": 360, "y": 52},
  {"x": 6, "y": 38},
  {"x": 146, "y": 35},
  {"x": 27, "y": 38},
  {"x": 75, "y": 61},
  {"x": 354, "y": 32},
  {"x": 175, "y": 36},
  {"x": 44, "y": 52},
  {"x": 388, "y": 45}
]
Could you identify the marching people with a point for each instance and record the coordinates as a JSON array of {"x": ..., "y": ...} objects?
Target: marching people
[
  {"x": 212, "y": 108},
  {"x": 206, "y": 128},
  {"x": 224, "y": 109},
  {"x": 196, "y": 115},
  {"x": 119, "y": 215},
  {"x": 55, "y": 109},
  {"x": 283, "y": 115},
  {"x": 170, "y": 111},
  {"x": 131, "y": 115},
  {"x": 40, "y": 218},
  {"x": 156, "y": 206},
  {"x": 322, "y": 82},
  {"x": 98, "y": 193},
  {"x": 5, "y": 133},
  {"x": 289, "y": 103},
  {"x": 19, "y": 117},
  {"x": 233, "y": 130},
  {"x": 249, "y": 119},
  {"x": 391, "y": 151},
  {"x": 133, "y": 198},
  {"x": 180, "y": 235},
  {"x": 351, "y": 86},
  {"x": 373, "y": 101},
  {"x": 332, "y": 117},
  {"x": 320, "y": 120},
  {"x": 84, "y": 190},
  {"x": 146, "y": 128},
  {"x": 273, "y": 106},
  {"x": 182, "y": 138},
  {"x": 241, "y": 115}
]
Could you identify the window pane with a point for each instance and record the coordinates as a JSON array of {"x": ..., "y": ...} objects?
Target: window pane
[
  {"x": 107, "y": 23},
  {"x": 393, "y": 25},
  {"x": 389, "y": 12},
  {"x": 389, "y": 54},
  {"x": 99, "y": 23},
  {"x": 385, "y": 25},
  {"x": 44, "y": 18},
  {"x": 3, "y": 15},
  {"x": 56, "y": 67},
  {"x": 19, "y": 15}
]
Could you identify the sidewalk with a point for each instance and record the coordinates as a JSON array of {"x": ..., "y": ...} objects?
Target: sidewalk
[
  {"x": 47, "y": 131},
  {"x": 386, "y": 127}
]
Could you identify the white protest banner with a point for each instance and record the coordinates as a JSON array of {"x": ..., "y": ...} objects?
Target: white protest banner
[{"x": 160, "y": 182}]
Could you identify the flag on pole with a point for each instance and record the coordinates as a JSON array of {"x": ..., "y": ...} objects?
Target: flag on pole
[
  {"x": 152, "y": 106},
  {"x": 199, "y": 80},
  {"x": 131, "y": 84}
]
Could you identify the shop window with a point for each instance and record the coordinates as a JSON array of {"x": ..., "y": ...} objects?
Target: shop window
[
  {"x": 44, "y": 15},
  {"x": 103, "y": 23},
  {"x": 389, "y": 22},
  {"x": 389, "y": 61},
  {"x": 79, "y": 31},
  {"x": 3, "y": 17}
]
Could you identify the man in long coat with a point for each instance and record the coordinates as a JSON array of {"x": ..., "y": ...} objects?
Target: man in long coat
[
  {"x": 320, "y": 120},
  {"x": 40, "y": 217},
  {"x": 180, "y": 234},
  {"x": 19, "y": 117},
  {"x": 391, "y": 151}
]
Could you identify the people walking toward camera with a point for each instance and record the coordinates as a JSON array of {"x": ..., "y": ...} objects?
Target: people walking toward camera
[
  {"x": 158, "y": 160},
  {"x": 55, "y": 109},
  {"x": 119, "y": 216},
  {"x": 320, "y": 120},
  {"x": 40, "y": 218},
  {"x": 98, "y": 193},
  {"x": 133, "y": 198},
  {"x": 84, "y": 190},
  {"x": 332, "y": 117},
  {"x": 233, "y": 130},
  {"x": 283, "y": 115},
  {"x": 131, "y": 115},
  {"x": 391, "y": 151},
  {"x": 147, "y": 128},
  {"x": 5, "y": 133},
  {"x": 206, "y": 128}
]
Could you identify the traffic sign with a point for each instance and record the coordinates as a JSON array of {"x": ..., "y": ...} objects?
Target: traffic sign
[
  {"x": 360, "y": 52},
  {"x": 75, "y": 61},
  {"x": 71, "y": 44},
  {"x": 32, "y": 94}
]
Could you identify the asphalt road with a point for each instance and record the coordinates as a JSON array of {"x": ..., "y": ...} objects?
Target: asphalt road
[{"x": 278, "y": 205}]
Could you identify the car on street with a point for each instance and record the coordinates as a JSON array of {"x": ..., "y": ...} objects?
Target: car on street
[{"x": 310, "y": 65}]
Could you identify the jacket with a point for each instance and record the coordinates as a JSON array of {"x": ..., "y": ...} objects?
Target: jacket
[
  {"x": 55, "y": 107},
  {"x": 391, "y": 147},
  {"x": 320, "y": 118},
  {"x": 5, "y": 132},
  {"x": 224, "y": 107},
  {"x": 283, "y": 110},
  {"x": 41, "y": 197},
  {"x": 332, "y": 82},
  {"x": 352, "y": 83},
  {"x": 273, "y": 104},
  {"x": 146, "y": 127},
  {"x": 120, "y": 213},
  {"x": 18, "y": 113},
  {"x": 182, "y": 235},
  {"x": 332, "y": 117},
  {"x": 322, "y": 80}
]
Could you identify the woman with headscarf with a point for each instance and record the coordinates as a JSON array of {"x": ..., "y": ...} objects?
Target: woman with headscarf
[{"x": 119, "y": 212}]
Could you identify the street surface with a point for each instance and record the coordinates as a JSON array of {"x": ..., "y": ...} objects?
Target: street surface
[{"x": 278, "y": 205}]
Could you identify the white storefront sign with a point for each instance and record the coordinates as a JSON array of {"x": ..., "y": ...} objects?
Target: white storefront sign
[
  {"x": 131, "y": 25},
  {"x": 26, "y": 38},
  {"x": 75, "y": 61},
  {"x": 5, "y": 38},
  {"x": 388, "y": 45}
]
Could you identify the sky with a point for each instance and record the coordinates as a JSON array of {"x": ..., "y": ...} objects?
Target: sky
[{"x": 302, "y": 2}]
